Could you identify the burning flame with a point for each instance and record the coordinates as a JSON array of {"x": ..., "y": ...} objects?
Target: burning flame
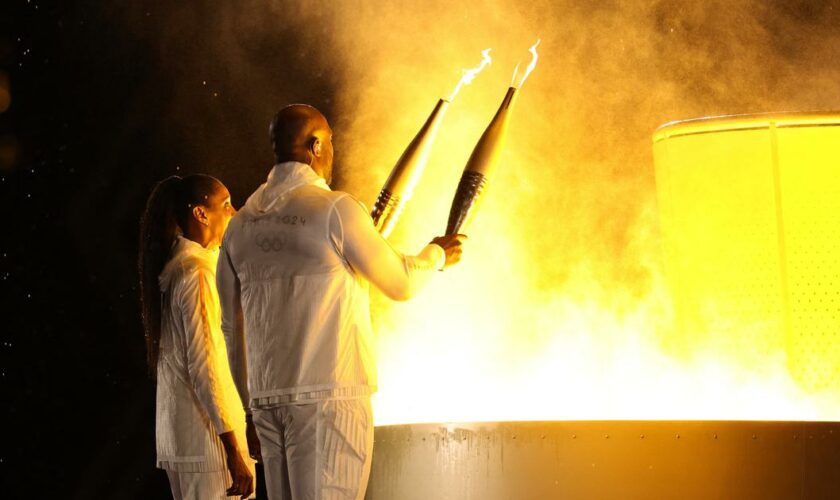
[
  {"x": 528, "y": 70},
  {"x": 470, "y": 74}
]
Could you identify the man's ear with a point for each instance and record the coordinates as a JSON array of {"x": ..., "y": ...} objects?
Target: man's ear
[
  {"x": 315, "y": 147},
  {"x": 200, "y": 215}
]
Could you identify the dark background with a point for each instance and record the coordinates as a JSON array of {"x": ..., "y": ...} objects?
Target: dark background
[
  {"x": 86, "y": 127},
  {"x": 94, "y": 87}
]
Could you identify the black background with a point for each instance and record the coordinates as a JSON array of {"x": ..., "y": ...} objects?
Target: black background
[{"x": 88, "y": 98}]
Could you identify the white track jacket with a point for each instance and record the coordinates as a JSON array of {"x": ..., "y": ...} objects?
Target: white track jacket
[
  {"x": 293, "y": 279},
  {"x": 196, "y": 397}
]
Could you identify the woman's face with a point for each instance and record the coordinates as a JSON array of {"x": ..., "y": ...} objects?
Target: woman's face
[{"x": 219, "y": 212}]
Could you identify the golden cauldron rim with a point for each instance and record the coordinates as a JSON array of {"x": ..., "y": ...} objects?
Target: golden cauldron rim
[
  {"x": 606, "y": 421},
  {"x": 732, "y": 123}
]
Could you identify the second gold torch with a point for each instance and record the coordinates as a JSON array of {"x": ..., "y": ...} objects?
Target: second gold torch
[
  {"x": 399, "y": 186},
  {"x": 480, "y": 167}
]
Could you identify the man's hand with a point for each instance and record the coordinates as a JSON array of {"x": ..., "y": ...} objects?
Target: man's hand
[
  {"x": 241, "y": 478},
  {"x": 254, "y": 449},
  {"x": 451, "y": 245}
]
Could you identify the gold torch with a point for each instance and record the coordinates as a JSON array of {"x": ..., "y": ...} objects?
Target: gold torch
[
  {"x": 484, "y": 157},
  {"x": 405, "y": 174}
]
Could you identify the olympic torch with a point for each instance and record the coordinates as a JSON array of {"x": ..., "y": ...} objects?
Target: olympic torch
[
  {"x": 484, "y": 158},
  {"x": 408, "y": 169},
  {"x": 480, "y": 167},
  {"x": 405, "y": 174}
]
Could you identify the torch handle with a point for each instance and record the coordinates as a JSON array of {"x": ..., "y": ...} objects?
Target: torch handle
[
  {"x": 406, "y": 173},
  {"x": 470, "y": 188},
  {"x": 386, "y": 211},
  {"x": 480, "y": 167}
]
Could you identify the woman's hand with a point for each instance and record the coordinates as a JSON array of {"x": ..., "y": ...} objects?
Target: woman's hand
[
  {"x": 241, "y": 478},
  {"x": 242, "y": 482}
]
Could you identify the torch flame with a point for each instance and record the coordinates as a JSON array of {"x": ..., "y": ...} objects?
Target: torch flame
[
  {"x": 529, "y": 69},
  {"x": 470, "y": 74}
]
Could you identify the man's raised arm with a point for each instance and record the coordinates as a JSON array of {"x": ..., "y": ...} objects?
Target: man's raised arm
[{"x": 398, "y": 276}]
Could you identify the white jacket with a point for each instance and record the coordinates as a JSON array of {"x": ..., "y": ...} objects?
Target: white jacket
[
  {"x": 292, "y": 278},
  {"x": 196, "y": 397}
]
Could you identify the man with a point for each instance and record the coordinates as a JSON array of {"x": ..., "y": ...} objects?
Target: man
[{"x": 293, "y": 277}]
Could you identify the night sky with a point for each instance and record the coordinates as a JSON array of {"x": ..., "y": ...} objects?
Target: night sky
[
  {"x": 85, "y": 125},
  {"x": 107, "y": 99}
]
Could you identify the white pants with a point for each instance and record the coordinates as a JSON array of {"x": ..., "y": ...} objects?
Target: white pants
[
  {"x": 199, "y": 485},
  {"x": 316, "y": 451}
]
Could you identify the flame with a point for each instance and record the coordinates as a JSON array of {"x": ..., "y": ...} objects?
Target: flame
[
  {"x": 470, "y": 74},
  {"x": 529, "y": 69}
]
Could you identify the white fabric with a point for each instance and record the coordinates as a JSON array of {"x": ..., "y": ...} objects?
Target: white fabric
[
  {"x": 317, "y": 451},
  {"x": 196, "y": 397},
  {"x": 293, "y": 279},
  {"x": 199, "y": 485}
]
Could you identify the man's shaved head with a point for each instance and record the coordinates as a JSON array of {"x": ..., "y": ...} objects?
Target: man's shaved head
[{"x": 301, "y": 133}]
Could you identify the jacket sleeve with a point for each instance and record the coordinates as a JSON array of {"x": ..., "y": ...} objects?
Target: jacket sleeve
[
  {"x": 233, "y": 325},
  {"x": 205, "y": 349},
  {"x": 398, "y": 276}
]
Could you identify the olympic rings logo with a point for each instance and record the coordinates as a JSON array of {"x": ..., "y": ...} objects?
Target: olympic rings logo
[{"x": 273, "y": 243}]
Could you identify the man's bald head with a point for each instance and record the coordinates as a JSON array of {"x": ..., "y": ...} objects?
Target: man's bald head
[{"x": 300, "y": 132}]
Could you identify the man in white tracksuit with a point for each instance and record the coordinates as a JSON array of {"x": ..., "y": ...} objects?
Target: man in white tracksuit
[{"x": 293, "y": 277}]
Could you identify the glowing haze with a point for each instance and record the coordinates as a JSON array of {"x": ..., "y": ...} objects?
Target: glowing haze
[{"x": 558, "y": 310}]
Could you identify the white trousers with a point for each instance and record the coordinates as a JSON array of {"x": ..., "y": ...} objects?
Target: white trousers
[
  {"x": 316, "y": 451},
  {"x": 199, "y": 485}
]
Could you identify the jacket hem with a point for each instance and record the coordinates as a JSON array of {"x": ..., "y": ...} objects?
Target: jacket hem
[
  {"x": 188, "y": 464},
  {"x": 297, "y": 395}
]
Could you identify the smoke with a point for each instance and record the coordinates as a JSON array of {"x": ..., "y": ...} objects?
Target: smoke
[{"x": 565, "y": 249}]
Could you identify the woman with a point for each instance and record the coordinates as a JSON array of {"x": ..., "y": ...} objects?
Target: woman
[{"x": 200, "y": 424}]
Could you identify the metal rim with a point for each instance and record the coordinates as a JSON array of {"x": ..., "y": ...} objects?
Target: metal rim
[{"x": 734, "y": 123}]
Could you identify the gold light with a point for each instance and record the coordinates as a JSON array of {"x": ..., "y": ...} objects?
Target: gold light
[{"x": 751, "y": 225}]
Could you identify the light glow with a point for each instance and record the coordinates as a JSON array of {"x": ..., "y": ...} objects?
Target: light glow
[
  {"x": 559, "y": 309},
  {"x": 483, "y": 343}
]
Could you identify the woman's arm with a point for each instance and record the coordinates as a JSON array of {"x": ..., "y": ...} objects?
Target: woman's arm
[
  {"x": 206, "y": 364},
  {"x": 205, "y": 351}
]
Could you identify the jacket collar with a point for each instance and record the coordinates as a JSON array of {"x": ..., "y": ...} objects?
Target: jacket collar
[{"x": 282, "y": 179}]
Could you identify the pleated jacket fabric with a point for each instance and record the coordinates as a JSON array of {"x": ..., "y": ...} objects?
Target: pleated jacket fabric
[{"x": 196, "y": 396}]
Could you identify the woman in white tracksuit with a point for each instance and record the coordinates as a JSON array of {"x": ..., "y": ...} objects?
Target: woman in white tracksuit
[{"x": 200, "y": 423}]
